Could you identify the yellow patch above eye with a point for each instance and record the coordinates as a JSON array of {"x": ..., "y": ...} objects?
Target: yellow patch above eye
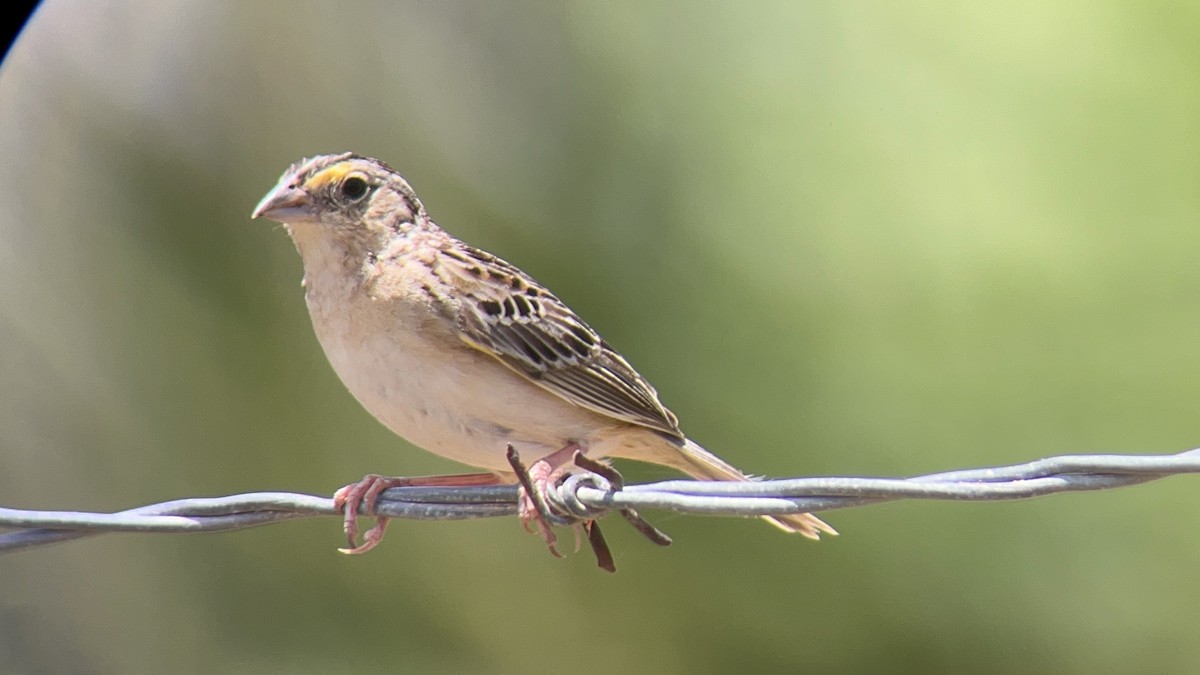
[{"x": 330, "y": 175}]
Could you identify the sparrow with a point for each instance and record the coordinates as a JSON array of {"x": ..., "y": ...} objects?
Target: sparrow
[{"x": 460, "y": 352}]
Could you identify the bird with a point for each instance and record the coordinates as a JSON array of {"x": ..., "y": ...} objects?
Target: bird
[{"x": 460, "y": 352}]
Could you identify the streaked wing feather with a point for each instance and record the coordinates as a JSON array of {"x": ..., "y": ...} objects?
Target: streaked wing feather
[{"x": 507, "y": 315}]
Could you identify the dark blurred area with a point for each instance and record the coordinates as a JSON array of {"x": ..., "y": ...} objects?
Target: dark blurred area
[{"x": 840, "y": 239}]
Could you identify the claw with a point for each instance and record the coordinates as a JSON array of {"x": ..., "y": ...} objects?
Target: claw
[
  {"x": 365, "y": 493},
  {"x": 533, "y": 510},
  {"x": 370, "y": 540}
]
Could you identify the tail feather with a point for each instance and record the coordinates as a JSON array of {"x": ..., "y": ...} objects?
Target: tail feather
[{"x": 703, "y": 465}]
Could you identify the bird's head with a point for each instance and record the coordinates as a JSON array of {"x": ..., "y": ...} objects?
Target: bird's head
[{"x": 336, "y": 195}]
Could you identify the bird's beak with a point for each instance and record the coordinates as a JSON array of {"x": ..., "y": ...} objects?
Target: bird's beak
[{"x": 284, "y": 203}]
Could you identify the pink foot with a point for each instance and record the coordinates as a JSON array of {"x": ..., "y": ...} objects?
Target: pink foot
[
  {"x": 541, "y": 477},
  {"x": 544, "y": 475},
  {"x": 366, "y": 492}
]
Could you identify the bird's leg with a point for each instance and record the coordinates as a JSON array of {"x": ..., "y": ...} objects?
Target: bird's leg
[
  {"x": 535, "y": 481},
  {"x": 544, "y": 475},
  {"x": 366, "y": 492}
]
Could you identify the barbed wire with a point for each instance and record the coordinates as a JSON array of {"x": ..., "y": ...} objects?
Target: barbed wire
[{"x": 586, "y": 496}]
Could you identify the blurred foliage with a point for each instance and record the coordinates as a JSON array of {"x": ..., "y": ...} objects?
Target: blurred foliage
[{"x": 840, "y": 238}]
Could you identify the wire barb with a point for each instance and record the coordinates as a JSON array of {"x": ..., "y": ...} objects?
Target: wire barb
[{"x": 593, "y": 493}]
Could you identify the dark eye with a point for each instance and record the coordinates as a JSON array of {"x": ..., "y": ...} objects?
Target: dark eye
[{"x": 354, "y": 188}]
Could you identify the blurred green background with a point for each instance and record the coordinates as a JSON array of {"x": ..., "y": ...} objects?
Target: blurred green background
[{"x": 840, "y": 238}]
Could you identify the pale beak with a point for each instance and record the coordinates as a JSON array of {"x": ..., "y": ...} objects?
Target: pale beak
[{"x": 284, "y": 203}]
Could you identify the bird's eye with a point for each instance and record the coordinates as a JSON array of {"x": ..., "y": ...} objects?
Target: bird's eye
[{"x": 354, "y": 188}]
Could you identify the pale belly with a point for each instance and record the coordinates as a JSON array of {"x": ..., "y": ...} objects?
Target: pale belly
[{"x": 444, "y": 396}]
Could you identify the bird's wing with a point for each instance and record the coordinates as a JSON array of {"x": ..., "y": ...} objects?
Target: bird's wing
[{"x": 508, "y": 315}]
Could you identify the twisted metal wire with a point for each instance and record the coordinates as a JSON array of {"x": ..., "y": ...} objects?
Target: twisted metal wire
[{"x": 587, "y": 496}]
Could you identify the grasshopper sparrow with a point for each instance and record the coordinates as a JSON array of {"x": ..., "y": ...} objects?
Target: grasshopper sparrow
[{"x": 460, "y": 352}]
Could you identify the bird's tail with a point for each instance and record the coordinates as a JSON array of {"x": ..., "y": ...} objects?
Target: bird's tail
[{"x": 703, "y": 465}]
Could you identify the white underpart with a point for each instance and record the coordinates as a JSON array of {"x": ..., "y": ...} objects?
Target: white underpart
[{"x": 408, "y": 368}]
